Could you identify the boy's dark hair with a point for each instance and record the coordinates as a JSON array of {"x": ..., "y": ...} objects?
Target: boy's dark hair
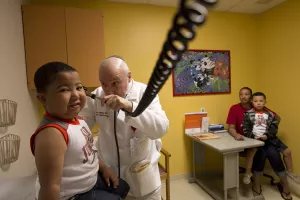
[
  {"x": 259, "y": 94},
  {"x": 247, "y": 88},
  {"x": 46, "y": 74}
]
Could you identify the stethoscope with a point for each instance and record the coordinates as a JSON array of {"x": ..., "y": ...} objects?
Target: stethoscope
[
  {"x": 115, "y": 130},
  {"x": 93, "y": 96}
]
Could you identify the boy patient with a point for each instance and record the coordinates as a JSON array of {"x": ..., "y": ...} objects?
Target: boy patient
[{"x": 66, "y": 160}]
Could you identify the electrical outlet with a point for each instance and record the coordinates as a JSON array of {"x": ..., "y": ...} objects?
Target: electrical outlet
[{"x": 202, "y": 109}]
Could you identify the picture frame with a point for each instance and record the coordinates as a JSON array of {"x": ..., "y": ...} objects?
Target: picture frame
[{"x": 201, "y": 72}]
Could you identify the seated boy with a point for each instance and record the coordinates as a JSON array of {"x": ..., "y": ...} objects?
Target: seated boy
[
  {"x": 66, "y": 159},
  {"x": 260, "y": 123}
]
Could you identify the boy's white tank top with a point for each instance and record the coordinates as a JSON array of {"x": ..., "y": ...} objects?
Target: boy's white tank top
[{"x": 81, "y": 163}]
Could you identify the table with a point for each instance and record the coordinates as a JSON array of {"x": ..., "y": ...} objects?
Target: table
[{"x": 229, "y": 148}]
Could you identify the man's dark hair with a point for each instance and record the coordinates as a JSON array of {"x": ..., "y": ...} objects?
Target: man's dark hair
[
  {"x": 259, "y": 94},
  {"x": 46, "y": 74},
  {"x": 246, "y": 88}
]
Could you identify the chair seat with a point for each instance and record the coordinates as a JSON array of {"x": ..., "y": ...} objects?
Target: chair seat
[
  {"x": 242, "y": 154},
  {"x": 162, "y": 172}
]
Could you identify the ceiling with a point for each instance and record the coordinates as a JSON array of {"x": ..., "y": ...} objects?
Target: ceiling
[{"x": 239, "y": 6}]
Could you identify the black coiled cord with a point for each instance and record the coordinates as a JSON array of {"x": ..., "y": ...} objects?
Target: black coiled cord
[{"x": 191, "y": 14}]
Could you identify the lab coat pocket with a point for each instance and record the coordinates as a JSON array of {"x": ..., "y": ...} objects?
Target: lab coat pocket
[{"x": 143, "y": 178}]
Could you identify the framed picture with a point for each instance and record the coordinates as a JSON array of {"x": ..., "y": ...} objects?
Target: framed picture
[{"x": 202, "y": 72}]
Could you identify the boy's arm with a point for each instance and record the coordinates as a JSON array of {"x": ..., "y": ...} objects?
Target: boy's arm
[
  {"x": 50, "y": 147},
  {"x": 247, "y": 126},
  {"x": 108, "y": 174}
]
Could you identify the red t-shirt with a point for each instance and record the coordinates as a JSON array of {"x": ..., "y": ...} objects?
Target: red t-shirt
[{"x": 236, "y": 116}]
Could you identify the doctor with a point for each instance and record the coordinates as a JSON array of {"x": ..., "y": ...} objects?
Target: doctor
[{"x": 138, "y": 137}]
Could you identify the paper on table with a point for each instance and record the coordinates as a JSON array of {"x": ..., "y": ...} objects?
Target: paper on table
[{"x": 206, "y": 136}]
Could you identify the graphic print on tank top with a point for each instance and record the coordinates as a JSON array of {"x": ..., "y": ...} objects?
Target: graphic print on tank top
[
  {"x": 88, "y": 151},
  {"x": 260, "y": 124}
]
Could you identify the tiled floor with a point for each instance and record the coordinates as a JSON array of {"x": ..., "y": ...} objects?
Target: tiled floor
[{"x": 182, "y": 190}]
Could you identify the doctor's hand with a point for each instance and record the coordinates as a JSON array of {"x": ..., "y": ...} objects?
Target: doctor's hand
[
  {"x": 108, "y": 176},
  {"x": 116, "y": 103}
]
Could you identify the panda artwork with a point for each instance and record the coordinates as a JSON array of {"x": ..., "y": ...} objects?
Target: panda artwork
[{"x": 201, "y": 70}]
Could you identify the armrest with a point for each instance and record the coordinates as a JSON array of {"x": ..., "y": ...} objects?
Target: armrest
[{"x": 165, "y": 152}]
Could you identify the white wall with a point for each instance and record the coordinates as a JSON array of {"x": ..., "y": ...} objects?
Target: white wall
[
  {"x": 18, "y": 189},
  {"x": 13, "y": 86}
]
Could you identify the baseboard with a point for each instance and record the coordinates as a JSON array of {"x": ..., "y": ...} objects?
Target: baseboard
[
  {"x": 268, "y": 170},
  {"x": 179, "y": 177},
  {"x": 188, "y": 175}
]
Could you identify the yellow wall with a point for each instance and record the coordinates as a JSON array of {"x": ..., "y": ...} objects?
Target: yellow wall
[
  {"x": 137, "y": 33},
  {"x": 278, "y": 39}
]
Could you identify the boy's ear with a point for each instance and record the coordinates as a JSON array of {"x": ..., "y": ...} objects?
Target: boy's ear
[{"x": 41, "y": 97}]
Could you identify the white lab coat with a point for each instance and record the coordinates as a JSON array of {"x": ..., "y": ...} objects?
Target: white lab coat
[{"x": 150, "y": 126}]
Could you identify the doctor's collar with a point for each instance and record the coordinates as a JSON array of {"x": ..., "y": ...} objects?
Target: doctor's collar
[{"x": 130, "y": 85}]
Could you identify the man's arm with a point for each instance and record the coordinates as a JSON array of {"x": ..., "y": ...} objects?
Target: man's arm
[
  {"x": 50, "y": 147},
  {"x": 153, "y": 121},
  {"x": 232, "y": 121},
  {"x": 233, "y": 133}
]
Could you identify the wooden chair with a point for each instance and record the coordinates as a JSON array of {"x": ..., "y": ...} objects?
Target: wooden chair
[{"x": 165, "y": 172}]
